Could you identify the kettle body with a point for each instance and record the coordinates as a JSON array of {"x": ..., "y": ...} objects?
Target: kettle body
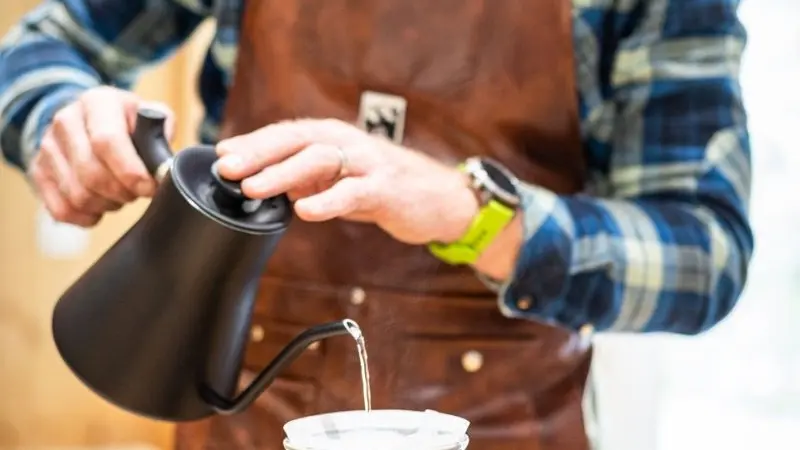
[
  {"x": 182, "y": 278},
  {"x": 158, "y": 325}
]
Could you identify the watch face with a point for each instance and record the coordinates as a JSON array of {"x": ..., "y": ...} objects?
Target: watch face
[{"x": 500, "y": 177}]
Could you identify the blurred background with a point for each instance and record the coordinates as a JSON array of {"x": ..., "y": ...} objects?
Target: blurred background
[
  {"x": 737, "y": 387},
  {"x": 42, "y": 405}
]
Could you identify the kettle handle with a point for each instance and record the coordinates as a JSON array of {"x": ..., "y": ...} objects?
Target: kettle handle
[
  {"x": 150, "y": 142},
  {"x": 295, "y": 348}
]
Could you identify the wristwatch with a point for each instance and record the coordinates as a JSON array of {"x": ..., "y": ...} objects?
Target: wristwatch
[{"x": 497, "y": 192}]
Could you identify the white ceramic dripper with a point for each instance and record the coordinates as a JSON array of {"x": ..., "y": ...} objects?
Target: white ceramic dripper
[{"x": 378, "y": 429}]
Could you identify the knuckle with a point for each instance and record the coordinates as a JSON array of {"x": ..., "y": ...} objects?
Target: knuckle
[
  {"x": 49, "y": 136},
  {"x": 339, "y": 129},
  {"x": 99, "y": 91},
  {"x": 113, "y": 206},
  {"x": 60, "y": 213},
  {"x": 37, "y": 177},
  {"x": 358, "y": 192},
  {"x": 36, "y": 168},
  {"x": 90, "y": 175},
  {"x": 93, "y": 220},
  {"x": 106, "y": 89},
  {"x": 62, "y": 118},
  {"x": 59, "y": 125},
  {"x": 110, "y": 189},
  {"x": 102, "y": 142},
  {"x": 119, "y": 193},
  {"x": 297, "y": 130},
  {"x": 331, "y": 122},
  {"x": 80, "y": 197},
  {"x": 40, "y": 187},
  {"x": 47, "y": 152},
  {"x": 366, "y": 194},
  {"x": 131, "y": 177},
  {"x": 324, "y": 156},
  {"x": 317, "y": 151}
]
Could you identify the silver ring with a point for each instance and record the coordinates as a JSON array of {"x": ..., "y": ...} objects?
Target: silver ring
[{"x": 343, "y": 163}]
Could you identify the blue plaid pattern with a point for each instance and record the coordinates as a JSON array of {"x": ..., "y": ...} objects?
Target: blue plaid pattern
[{"x": 659, "y": 241}]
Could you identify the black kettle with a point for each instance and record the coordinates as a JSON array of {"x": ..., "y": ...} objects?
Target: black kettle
[{"x": 158, "y": 325}]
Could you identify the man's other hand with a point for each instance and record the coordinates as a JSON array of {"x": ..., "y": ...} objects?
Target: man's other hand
[{"x": 87, "y": 164}]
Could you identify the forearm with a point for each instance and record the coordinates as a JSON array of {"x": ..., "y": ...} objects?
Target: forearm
[
  {"x": 63, "y": 48},
  {"x": 622, "y": 265},
  {"x": 37, "y": 77}
]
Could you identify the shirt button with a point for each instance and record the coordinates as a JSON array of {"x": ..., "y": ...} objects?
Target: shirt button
[
  {"x": 357, "y": 296},
  {"x": 472, "y": 361},
  {"x": 524, "y": 303},
  {"x": 257, "y": 333}
]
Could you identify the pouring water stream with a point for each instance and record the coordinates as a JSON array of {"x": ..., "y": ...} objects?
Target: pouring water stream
[
  {"x": 361, "y": 345},
  {"x": 392, "y": 429}
]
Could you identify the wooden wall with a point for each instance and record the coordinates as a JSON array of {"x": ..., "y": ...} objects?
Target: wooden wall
[{"x": 42, "y": 406}]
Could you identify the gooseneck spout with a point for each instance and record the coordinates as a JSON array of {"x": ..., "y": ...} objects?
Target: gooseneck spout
[{"x": 289, "y": 353}]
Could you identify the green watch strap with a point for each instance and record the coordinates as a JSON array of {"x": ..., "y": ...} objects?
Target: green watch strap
[{"x": 487, "y": 224}]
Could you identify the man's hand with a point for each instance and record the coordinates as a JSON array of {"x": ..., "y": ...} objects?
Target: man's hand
[
  {"x": 87, "y": 164},
  {"x": 332, "y": 169}
]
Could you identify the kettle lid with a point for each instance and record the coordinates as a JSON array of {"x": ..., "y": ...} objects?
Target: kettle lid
[{"x": 195, "y": 175}]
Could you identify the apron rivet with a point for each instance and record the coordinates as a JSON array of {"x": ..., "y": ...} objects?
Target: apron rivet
[
  {"x": 524, "y": 303},
  {"x": 472, "y": 361},
  {"x": 257, "y": 333},
  {"x": 357, "y": 296}
]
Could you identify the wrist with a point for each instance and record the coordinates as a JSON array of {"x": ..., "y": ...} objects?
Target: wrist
[
  {"x": 484, "y": 203},
  {"x": 461, "y": 204},
  {"x": 498, "y": 260}
]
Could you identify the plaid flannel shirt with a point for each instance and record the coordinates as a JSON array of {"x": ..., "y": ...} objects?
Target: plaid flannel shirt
[{"x": 660, "y": 240}]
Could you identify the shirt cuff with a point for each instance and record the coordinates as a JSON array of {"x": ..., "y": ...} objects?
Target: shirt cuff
[
  {"x": 41, "y": 116},
  {"x": 534, "y": 289}
]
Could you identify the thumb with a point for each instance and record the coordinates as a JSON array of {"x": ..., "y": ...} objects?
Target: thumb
[{"x": 345, "y": 197}]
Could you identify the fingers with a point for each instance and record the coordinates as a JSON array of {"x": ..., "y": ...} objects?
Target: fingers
[
  {"x": 294, "y": 156},
  {"x": 108, "y": 131},
  {"x": 87, "y": 164},
  {"x": 316, "y": 163},
  {"x": 68, "y": 131},
  {"x": 247, "y": 154},
  {"x": 58, "y": 207},
  {"x": 350, "y": 196},
  {"x": 72, "y": 191}
]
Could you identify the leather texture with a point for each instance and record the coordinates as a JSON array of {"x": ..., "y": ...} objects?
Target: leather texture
[{"x": 480, "y": 77}]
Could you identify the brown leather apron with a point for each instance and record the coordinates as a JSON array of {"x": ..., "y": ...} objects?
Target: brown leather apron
[{"x": 481, "y": 77}]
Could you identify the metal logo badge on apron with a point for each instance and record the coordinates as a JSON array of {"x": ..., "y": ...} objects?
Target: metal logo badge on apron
[{"x": 383, "y": 114}]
